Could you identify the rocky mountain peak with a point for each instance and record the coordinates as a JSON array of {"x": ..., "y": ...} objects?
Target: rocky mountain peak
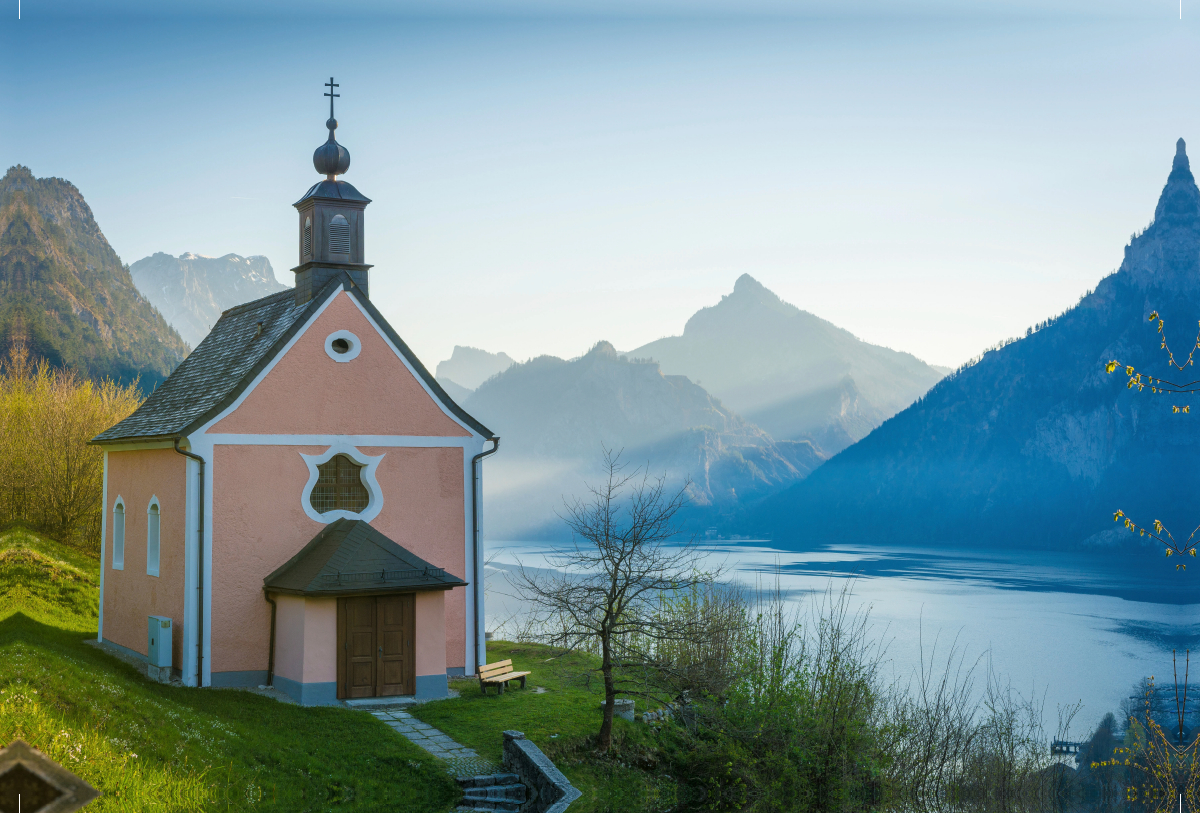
[
  {"x": 1167, "y": 253},
  {"x": 747, "y": 285},
  {"x": 603, "y": 349},
  {"x": 468, "y": 367},
  {"x": 192, "y": 290},
  {"x": 1179, "y": 204}
]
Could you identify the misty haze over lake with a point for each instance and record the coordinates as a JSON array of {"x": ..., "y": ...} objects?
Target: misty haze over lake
[{"x": 1071, "y": 627}]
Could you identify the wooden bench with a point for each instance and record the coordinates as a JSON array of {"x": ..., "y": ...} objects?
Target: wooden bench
[{"x": 498, "y": 674}]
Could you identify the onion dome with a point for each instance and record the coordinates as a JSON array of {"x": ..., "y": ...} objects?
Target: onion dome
[{"x": 331, "y": 158}]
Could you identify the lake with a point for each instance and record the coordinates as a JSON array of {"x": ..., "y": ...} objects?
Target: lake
[{"x": 1069, "y": 626}]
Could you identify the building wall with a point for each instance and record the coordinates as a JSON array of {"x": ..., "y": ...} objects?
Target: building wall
[
  {"x": 306, "y": 649},
  {"x": 259, "y": 523},
  {"x": 320, "y": 641},
  {"x": 289, "y": 637},
  {"x": 430, "y": 660},
  {"x": 130, "y": 595},
  {"x": 307, "y": 392}
]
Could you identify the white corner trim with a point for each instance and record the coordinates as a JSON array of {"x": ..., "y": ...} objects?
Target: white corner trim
[
  {"x": 370, "y": 464},
  {"x": 103, "y": 546},
  {"x": 350, "y": 338}
]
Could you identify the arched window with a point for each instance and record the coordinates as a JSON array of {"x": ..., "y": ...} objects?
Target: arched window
[
  {"x": 118, "y": 560},
  {"x": 307, "y": 252},
  {"x": 339, "y": 486},
  {"x": 339, "y": 235},
  {"x": 152, "y": 538}
]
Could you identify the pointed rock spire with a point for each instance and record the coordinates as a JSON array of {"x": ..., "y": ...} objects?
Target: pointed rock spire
[{"x": 1179, "y": 204}]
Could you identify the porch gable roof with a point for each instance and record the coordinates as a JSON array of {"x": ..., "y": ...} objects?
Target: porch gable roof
[{"x": 350, "y": 557}]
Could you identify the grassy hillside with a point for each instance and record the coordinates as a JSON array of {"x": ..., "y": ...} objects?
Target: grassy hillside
[
  {"x": 563, "y": 719},
  {"x": 148, "y": 746}
]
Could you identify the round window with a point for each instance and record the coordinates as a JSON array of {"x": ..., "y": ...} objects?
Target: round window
[{"x": 342, "y": 345}]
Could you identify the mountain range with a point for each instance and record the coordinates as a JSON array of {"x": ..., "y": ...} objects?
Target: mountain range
[
  {"x": 192, "y": 290},
  {"x": 795, "y": 372},
  {"x": 796, "y": 375},
  {"x": 556, "y": 416},
  {"x": 64, "y": 293},
  {"x": 1036, "y": 444}
]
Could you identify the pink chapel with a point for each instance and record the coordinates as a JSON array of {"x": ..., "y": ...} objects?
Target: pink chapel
[{"x": 300, "y": 503}]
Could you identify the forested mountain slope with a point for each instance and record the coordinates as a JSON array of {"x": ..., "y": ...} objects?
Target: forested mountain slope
[
  {"x": 64, "y": 292},
  {"x": 1036, "y": 445}
]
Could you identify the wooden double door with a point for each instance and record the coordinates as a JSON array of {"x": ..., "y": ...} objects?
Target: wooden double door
[{"x": 375, "y": 646}]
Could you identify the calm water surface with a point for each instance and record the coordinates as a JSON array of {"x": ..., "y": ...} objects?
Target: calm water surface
[{"x": 1069, "y": 627}]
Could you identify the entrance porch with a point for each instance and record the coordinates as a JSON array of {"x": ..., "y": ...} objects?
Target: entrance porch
[{"x": 355, "y": 616}]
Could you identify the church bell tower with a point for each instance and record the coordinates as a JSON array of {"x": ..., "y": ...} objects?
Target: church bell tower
[{"x": 331, "y": 221}]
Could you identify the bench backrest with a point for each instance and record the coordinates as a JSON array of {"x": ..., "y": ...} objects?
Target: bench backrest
[{"x": 495, "y": 669}]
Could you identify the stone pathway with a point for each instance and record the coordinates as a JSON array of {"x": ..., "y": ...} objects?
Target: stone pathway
[{"x": 461, "y": 761}]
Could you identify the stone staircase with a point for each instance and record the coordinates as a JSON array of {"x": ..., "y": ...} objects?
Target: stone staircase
[{"x": 500, "y": 792}]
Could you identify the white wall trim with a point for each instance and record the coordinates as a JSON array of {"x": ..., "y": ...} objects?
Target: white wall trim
[
  {"x": 304, "y": 329},
  {"x": 206, "y": 646},
  {"x": 418, "y": 441},
  {"x": 103, "y": 534},
  {"x": 480, "y": 570},
  {"x": 187, "y": 663},
  {"x": 367, "y": 476},
  {"x": 137, "y": 446},
  {"x": 470, "y": 611}
]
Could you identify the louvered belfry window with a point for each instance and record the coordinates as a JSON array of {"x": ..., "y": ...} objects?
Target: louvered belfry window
[
  {"x": 307, "y": 252},
  {"x": 339, "y": 487},
  {"x": 339, "y": 235}
]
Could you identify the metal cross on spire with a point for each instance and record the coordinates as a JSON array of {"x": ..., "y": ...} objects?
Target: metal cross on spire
[{"x": 332, "y": 95}]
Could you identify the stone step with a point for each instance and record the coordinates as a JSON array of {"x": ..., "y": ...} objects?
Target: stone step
[
  {"x": 495, "y": 793},
  {"x": 489, "y": 779},
  {"x": 495, "y": 806}
]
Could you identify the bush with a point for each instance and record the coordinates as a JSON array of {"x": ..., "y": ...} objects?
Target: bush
[{"x": 50, "y": 478}]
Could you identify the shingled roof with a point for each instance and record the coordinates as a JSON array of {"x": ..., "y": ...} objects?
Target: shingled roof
[
  {"x": 348, "y": 557},
  {"x": 240, "y": 345}
]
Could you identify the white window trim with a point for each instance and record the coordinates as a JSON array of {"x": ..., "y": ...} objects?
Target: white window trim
[
  {"x": 349, "y": 355},
  {"x": 158, "y": 554},
  {"x": 118, "y": 563},
  {"x": 369, "y": 464}
]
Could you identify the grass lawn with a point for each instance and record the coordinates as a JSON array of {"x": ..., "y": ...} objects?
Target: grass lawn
[
  {"x": 152, "y": 747},
  {"x": 563, "y": 722}
]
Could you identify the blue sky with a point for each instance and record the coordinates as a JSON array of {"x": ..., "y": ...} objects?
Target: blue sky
[{"x": 932, "y": 176}]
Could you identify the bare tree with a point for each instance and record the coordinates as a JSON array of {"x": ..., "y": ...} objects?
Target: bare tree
[{"x": 605, "y": 591}]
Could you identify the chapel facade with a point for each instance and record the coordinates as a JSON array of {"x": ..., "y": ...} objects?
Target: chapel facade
[{"x": 300, "y": 497}]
